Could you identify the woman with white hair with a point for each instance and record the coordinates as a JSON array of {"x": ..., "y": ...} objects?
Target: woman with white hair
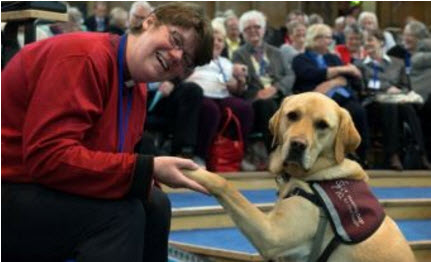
[
  {"x": 269, "y": 80},
  {"x": 368, "y": 21},
  {"x": 320, "y": 71}
]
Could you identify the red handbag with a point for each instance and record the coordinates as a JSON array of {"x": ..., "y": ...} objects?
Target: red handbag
[{"x": 226, "y": 153}]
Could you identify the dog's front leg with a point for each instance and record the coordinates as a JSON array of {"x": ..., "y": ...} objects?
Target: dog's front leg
[{"x": 256, "y": 225}]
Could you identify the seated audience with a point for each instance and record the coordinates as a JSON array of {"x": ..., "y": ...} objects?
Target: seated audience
[
  {"x": 320, "y": 71},
  {"x": 221, "y": 82},
  {"x": 368, "y": 21},
  {"x": 268, "y": 80},
  {"x": 384, "y": 74},
  {"x": 353, "y": 49}
]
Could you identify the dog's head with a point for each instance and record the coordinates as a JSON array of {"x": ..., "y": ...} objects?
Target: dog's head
[{"x": 310, "y": 128}]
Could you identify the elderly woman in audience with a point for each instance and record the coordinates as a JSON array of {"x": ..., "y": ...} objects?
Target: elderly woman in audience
[
  {"x": 297, "y": 41},
  {"x": 320, "y": 71},
  {"x": 353, "y": 49},
  {"x": 269, "y": 79},
  {"x": 384, "y": 74},
  {"x": 222, "y": 82},
  {"x": 416, "y": 53},
  {"x": 368, "y": 21}
]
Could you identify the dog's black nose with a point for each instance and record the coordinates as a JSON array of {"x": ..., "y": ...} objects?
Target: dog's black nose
[{"x": 298, "y": 146}]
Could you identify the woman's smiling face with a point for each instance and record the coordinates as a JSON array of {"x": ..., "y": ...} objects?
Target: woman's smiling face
[{"x": 162, "y": 52}]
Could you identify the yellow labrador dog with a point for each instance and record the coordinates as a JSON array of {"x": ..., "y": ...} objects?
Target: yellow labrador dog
[{"x": 312, "y": 135}]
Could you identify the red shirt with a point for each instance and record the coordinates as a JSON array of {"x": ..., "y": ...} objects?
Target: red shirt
[
  {"x": 59, "y": 117},
  {"x": 344, "y": 54}
]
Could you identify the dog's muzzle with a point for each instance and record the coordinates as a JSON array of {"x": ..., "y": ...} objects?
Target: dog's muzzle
[{"x": 296, "y": 152}]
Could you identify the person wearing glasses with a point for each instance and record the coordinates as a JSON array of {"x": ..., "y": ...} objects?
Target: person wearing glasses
[
  {"x": 73, "y": 108},
  {"x": 269, "y": 79},
  {"x": 138, "y": 12},
  {"x": 319, "y": 70}
]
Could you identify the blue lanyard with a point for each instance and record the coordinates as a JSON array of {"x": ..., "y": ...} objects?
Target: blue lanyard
[
  {"x": 375, "y": 72},
  {"x": 122, "y": 123},
  {"x": 408, "y": 62},
  {"x": 262, "y": 67},
  {"x": 217, "y": 62}
]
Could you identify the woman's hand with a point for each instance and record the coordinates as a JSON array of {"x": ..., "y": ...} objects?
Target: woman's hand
[
  {"x": 393, "y": 90},
  {"x": 166, "y": 88},
  {"x": 167, "y": 170},
  {"x": 328, "y": 85},
  {"x": 239, "y": 71},
  {"x": 266, "y": 93},
  {"x": 353, "y": 71}
]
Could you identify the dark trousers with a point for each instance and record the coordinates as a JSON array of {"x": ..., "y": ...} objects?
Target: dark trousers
[
  {"x": 424, "y": 115},
  {"x": 392, "y": 117},
  {"x": 39, "y": 224},
  {"x": 210, "y": 120},
  {"x": 181, "y": 109},
  {"x": 264, "y": 109}
]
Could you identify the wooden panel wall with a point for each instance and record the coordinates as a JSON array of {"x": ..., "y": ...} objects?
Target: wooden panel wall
[{"x": 395, "y": 13}]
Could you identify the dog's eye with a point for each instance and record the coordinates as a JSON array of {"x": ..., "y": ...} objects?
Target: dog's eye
[
  {"x": 293, "y": 116},
  {"x": 321, "y": 124}
]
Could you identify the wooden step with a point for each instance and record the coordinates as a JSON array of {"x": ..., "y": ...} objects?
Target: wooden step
[
  {"x": 378, "y": 178},
  {"x": 216, "y": 216},
  {"x": 421, "y": 249}
]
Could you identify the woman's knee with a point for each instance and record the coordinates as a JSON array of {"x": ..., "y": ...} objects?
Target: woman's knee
[
  {"x": 191, "y": 90},
  {"x": 210, "y": 111}
]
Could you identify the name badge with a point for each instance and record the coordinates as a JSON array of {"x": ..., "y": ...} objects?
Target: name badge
[{"x": 374, "y": 84}]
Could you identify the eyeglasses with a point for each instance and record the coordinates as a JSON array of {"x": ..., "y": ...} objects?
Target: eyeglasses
[
  {"x": 323, "y": 36},
  {"x": 177, "y": 43},
  {"x": 139, "y": 17},
  {"x": 252, "y": 27}
]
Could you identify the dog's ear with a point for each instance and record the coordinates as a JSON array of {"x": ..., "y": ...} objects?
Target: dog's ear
[
  {"x": 347, "y": 139},
  {"x": 274, "y": 122}
]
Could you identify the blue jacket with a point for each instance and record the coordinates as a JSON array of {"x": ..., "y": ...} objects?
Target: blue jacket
[{"x": 308, "y": 74}]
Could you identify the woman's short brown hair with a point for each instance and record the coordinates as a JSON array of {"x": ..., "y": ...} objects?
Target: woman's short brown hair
[{"x": 188, "y": 15}]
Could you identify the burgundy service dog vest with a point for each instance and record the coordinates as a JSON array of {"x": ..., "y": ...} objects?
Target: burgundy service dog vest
[{"x": 353, "y": 210}]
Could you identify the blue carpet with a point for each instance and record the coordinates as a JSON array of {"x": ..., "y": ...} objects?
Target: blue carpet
[
  {"x": 192, "y": 199},
  {"x": 232, "y": 238}
]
